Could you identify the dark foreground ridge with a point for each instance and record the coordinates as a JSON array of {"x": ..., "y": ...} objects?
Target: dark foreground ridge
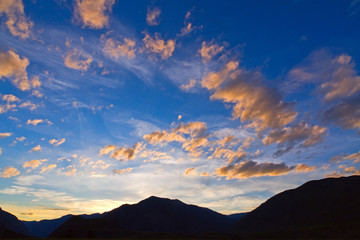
[
  {"x": 328, "y": 208},
  {"x": 322, "y": 209}
]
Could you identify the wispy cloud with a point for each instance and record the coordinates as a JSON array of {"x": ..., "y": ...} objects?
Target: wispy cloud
[{"x": 153, "y": 16}]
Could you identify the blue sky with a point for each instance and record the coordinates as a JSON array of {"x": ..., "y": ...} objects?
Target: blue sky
[{"x": 220, "y": 104}]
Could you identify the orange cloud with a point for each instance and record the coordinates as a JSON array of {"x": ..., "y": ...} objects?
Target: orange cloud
[
  {"x": 253, "y": 102},
  {"x": 121, "y": 171},
  {"x": 123, "y": 153},
  {"x": 35, "y": 122},
  {"x": 253, "y": 169},
  {"x": 158, "y": 46},
  {"x": 190, "y": 171},
  {"x": 33, "y": 163},
  {"x": 57, "y": 142},
  {"x": 209, "y": 51},
  {"x": 115, "y": 49},
  {"x": 9, "y": 172},
  {"x": 304, "y": 168},
  {"x": 17, "y": 23},
  {"x": 48, "y": 168},
  {"x": 14, "y": 68},
  {"x": 36, "y": 149},
  {"x": 78, "y": 60},
  {"x": 153, "y": 16},
  {"x": 5, "y": 134},
  {"x": 93, "y": 13}
]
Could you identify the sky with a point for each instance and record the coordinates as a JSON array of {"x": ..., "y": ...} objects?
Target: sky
[{"x": 221, "y": 104}]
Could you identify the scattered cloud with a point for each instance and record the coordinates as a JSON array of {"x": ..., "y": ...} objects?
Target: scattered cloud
[
  {"x": 123, "y": 153},
  {"x": 157, "y": 46},
  {"x": 116, "y": 49},
  {"x": 57, "y": 142},
  {"x": 17, "y": 22},
  {"x": 187, "y": 87},
  {"x": 153, "y": 16},
  {"x": 288, "y": 137},
  {"x": 250, "y": 168},
  {"x": 93, "y": 14},
  {"x": 5, "y": 134},
  {"x": 121, "y": 171},
  {"x": 35, "y": 122},
  {"x": 78, "y": 60},
  {"x": 304, "y": 168},
  {"x": 14, "y": 68},
  {"x": 33, "y": 164},
  {"x": 345, "y": 114},
  {"x": 335, "y": 75},
  {"x": 9, "y": 172},
  {"x": 48, "y": 168},
  {"x": 210, "y": 50},
  {"x": 355, "y": 157},
  {"x": 190, "y": 171},
  {"x": 253, "y": 101},
  {"x": 36, "y": 149}
]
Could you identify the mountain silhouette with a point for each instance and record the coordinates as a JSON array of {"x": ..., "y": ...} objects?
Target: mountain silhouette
[
  {"x": 154, "y": 214},
  {"x": 327, "y": 208},
  {"x": 11, "y": 226}
]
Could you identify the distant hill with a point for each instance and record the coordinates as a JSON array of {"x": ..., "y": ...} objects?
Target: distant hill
[
  {"x": 328, "y": 208},
  {"x": 11, "y": 226},
  {"x": 154, "y": 214}
]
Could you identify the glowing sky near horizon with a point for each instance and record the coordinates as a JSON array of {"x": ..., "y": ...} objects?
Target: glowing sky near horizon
[{"x": 217, "y": 103}]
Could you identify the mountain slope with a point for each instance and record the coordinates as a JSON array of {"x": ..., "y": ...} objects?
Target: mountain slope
[
  {"x": 11, "y": 226},
  {"x": 156, "y": 215},
  {"x": 323, "y": 208}
]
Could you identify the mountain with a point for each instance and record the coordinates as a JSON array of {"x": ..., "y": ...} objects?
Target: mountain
[
  {"x": 327, "y": 208},
  {"x": 44, "y": 228},
  {"x": 11, "y": 226},
  {"x": 154, "y": 214}
]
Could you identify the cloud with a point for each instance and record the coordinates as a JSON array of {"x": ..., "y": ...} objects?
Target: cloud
[
  {"x": 14, "y": 68},
  {"x": 121, "y": 171},
  {"x": 253, "y": 102},
  {"x": 193, "y": 142},
  {"x": 288, "y": 137},
  {"x": 35, "y": 122},
  {"x": 188, "y": 28},
  {"x": 123, "y": 153},
  {"x": 1, "y": 151},
  {"x": 9, "y": 172},
  {"x": 354, "y": 156},
  {"x": 93, "y": 14},
  {"x": 304, "y": 168},
  {"x": 209, "y": 51},
  {"x": 253, "y": 169},
  {"x": 10, "y": 98},
  {"x": 115, "y": 49},
  {"x": 20, "y": 139},
  {"x": 48, "y": 168},
  {"x": 345, "y": 114},
  {"x": 190, "y": 171},
  {"x": 78, "y": 60},
  {"x": 335, "y": 75},
  {"x": 5, "y": 134},
  {"x": 33, "y": 164},
  {"x": 153, "y": 16},
  {"x": 71, "y": 171},
  {"x": 187, "y": 87},
  {"x": 57, "y": 142},
  {"x": 158, "y": 46},
  {"x": 107, "y": 149},
  {"x": 17, "y": 23},
  {"x": 36, "y": 149}
]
